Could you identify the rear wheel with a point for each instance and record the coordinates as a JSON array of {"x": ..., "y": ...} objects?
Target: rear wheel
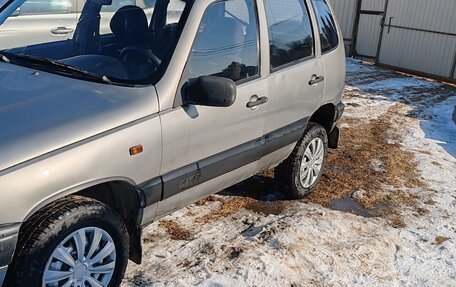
[
  {"x": 301, "y": 171},
  {"x": 74, "y": 242}
]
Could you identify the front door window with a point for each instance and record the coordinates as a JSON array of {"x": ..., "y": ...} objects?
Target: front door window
[{"x": 227, "y": 42}]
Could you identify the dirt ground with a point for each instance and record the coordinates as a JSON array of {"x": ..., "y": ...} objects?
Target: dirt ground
[{"x": 382, "y": 215}]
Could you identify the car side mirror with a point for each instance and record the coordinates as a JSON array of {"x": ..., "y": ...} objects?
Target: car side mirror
[
  {"x": 210, "y": 91},
  {"x": 16, "y": 12}
]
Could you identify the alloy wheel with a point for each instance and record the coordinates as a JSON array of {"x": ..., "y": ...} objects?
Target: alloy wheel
[{"x": 87, "y": 257}]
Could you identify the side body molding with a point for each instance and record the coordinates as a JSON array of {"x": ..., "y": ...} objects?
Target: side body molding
[{"x": 175, "y": 182}]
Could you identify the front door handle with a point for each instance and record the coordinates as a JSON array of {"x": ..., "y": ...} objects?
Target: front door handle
[
  {"x": 258, "y": 102},
  {"x": 61, "y": 30},
  {"x": 316, "y": 79}
]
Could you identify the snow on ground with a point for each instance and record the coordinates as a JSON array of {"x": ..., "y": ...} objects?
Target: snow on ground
[{"x": 238, "y": 239}]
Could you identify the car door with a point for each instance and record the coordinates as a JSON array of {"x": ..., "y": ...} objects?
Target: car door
[
  {"x": 332, "y": 50},
  {"x": 209, "y": 148},
  {"x": 39, "y": 22},
  {"x": 296, "y": 80}
]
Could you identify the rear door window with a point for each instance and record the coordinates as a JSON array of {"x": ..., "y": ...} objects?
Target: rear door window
[
  {"x": 326, "y": 25},
  {"x": 290, "y": 31}
]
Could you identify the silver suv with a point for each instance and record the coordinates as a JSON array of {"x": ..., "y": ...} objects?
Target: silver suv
[{"x": 110, "y": 126}]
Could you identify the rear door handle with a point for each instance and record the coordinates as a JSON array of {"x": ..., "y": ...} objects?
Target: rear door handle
[
  {"x": 260, "y": 101},
  {"x": 316, "y": 79},
  {"x": 61, "y": 30}
]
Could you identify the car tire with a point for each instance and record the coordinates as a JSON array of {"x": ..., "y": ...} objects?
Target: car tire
[
  {"x": 300, "y": 173},
  {"x": 50, "y": 241}
]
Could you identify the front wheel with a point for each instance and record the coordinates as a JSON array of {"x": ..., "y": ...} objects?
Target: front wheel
[
  {"x": 74, "y": 242},
  {"x": 301, "y": 171}
]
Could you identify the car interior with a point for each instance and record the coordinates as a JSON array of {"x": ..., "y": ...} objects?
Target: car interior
[{"x": 132, "y": 52}]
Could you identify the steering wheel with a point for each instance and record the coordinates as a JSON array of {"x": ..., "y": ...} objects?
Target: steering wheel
[{"x": 127, "y": 52}]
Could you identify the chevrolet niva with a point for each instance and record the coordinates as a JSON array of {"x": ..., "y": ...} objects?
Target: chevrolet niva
[{"x": 114, "y": 113}]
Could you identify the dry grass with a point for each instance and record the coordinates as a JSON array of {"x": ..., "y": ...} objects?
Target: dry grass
[
  {"x": 422, "y": 211},
  {"x": 429, "y": 202},
  {"x": 351, "y": 168},
  {"x": 440, "y": 240},
  {"x": 210, "y": 198},
  {"x": 233, "y": 204},
  {"x": 397, "y": 222},
  {"x": 229, "y": 206},
  {"x": 176, "y": 231},
  {"x": 369, "y": 159}
]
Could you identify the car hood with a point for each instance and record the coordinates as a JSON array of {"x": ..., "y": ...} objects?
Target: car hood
[{"x": 42, "y": 112}]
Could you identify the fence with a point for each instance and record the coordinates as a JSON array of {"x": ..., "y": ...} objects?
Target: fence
[{"x": 417, "y": 36}]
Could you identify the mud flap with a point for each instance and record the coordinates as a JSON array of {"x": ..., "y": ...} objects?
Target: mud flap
[
  {"x": 135, "y": 244},
  {"x": 333, "y": 138}
]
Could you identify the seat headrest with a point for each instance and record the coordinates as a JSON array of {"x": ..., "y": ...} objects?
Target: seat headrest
[{"x": 129, "y": 23}]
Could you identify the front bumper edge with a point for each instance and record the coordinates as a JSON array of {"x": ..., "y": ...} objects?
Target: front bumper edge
[
  {"x": 340, "y": 108},
  {"x": 3, "y": 274},
  {"x": 8, "y": 239}
]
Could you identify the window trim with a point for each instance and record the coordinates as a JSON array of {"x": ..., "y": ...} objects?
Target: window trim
[
  {"x": 291, "y": 64},
  {"x": 300, "y": 60},
  {"x": 247, "y": 80},
  {"x": 337, "y": 28}
]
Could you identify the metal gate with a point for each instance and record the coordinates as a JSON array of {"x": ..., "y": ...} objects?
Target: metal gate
[
  {"x": 417, "y": 36},
  {"x": 368, "y": 23},
  {"x": 420, "y": 36}
]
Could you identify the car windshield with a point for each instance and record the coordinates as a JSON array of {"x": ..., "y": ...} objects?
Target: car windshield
[{"x": 110, "y": 40}]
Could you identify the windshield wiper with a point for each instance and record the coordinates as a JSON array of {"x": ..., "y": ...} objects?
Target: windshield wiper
[
  {"x": 61, "y": 67},
  {"x": 4, "y": 58},
  {"x": 53, "y": 66}
]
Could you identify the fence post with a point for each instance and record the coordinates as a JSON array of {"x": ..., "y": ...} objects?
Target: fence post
[
  {"x": 382, "y": 23},
  {"x": 354, "y": 36},
  {"x": 453, "y": 70}
]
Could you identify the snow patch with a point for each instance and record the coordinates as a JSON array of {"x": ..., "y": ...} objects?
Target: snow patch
[
  {"x": 398, "y": 84},
  {"x": 309, "y": 245}
]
